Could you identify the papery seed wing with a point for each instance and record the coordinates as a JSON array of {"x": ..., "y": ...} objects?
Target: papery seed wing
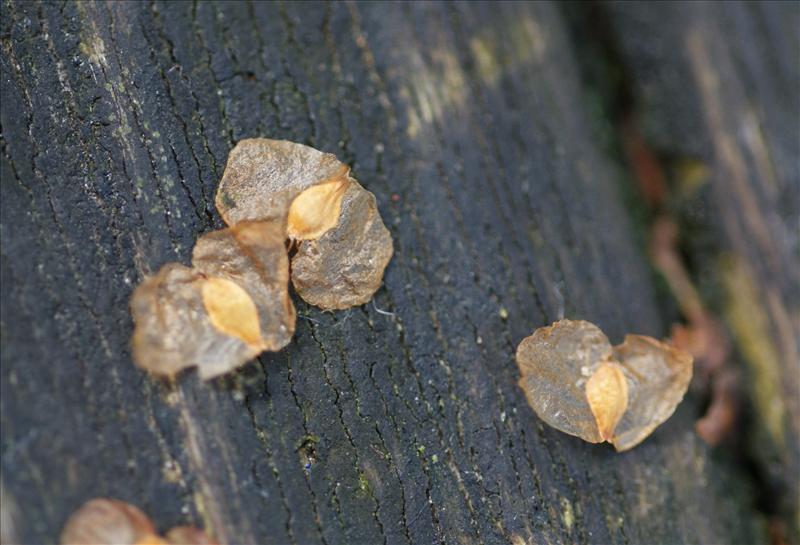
[
  {"x": 263, "y": 176},
  {"x": 555, "y": 363},
  {"x": 344, "y": 267},
  {"x": 659, "y": 375}
]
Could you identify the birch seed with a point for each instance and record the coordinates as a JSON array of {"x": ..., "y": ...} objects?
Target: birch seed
[
  {"x": 344, "y": 267},
  {"x": 223, "y": 312},
  {"x": 578, "y": 383},
  {"x": 343, "y": 246}
]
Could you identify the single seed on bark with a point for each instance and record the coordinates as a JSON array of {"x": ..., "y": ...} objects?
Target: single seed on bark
[
  {"x": 578, "y": 383},
  {"x": 231, "y": 310},
  {"x": 223, "y": 312},
  {"x": 173, "y": 330},
  {"x": 253, "y": 256}
]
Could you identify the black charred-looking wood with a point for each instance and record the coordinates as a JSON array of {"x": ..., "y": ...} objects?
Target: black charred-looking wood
[{"x": 396, "y": 422}]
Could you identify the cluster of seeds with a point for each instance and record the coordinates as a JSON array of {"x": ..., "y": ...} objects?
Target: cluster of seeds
[{"x": 294, "y": 214}]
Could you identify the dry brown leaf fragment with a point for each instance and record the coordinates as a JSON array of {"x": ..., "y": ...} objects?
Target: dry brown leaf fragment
[
  {"x": 344, "y": 267},
  {"x": 104, "y": 521},
  {"x": 720, "y": 417},
  {"x": 223, "y": 312},
  {"x": 578, "y": 383}
]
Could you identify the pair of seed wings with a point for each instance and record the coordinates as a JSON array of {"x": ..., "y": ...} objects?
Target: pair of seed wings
[
  {"x": 578, "y": 383},
  {"x": 234, "y": 303}
]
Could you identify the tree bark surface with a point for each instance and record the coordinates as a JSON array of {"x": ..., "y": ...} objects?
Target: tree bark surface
[{"x": 398, "y": 422}]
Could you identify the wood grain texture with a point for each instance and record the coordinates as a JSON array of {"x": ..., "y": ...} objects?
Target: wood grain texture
[{"x": 468, "y": 124}]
